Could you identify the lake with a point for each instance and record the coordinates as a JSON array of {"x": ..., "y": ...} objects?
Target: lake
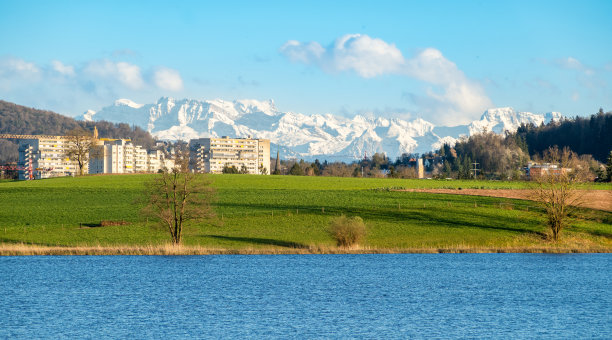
[{"x": 307, "y": 296}]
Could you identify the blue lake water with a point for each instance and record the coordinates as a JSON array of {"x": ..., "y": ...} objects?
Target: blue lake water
[{"x": 307, "y": 296}]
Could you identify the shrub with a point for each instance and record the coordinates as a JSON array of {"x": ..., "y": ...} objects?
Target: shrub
[
  {"x": 347, "y": 231},
  {"x": 230, "y": 169}
]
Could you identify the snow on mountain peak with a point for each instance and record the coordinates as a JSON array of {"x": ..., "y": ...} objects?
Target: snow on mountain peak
[
  {"x": 304, "y": 136},
  {"x": 251, "y": 105},
  {"x": 88, "y": 116},
  {"x": 497, "y": 112},
  {"x": 127, "y": 102},
  {"x": 552, "y": 116},
  {"x": 503, "y": 119}
]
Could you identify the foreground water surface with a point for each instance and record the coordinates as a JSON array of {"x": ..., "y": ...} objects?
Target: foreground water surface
[{"x": 307, "y": 296}]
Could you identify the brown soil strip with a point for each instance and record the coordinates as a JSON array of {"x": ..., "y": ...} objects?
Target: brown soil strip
[{"x": 593, "y": 199}]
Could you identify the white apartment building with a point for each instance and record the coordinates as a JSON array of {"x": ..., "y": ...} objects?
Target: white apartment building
[
  {"x": 155, "y": 160},
  {"x": 120, "y": 156},
  {"x": 42, "y": 156},
  {"x": 211, "y": 155}
]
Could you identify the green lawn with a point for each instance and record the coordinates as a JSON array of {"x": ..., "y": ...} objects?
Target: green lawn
[{"x": 285, "y": 212}]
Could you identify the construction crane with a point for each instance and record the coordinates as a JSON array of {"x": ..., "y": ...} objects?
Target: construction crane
[{"x": 29, "y": 169}]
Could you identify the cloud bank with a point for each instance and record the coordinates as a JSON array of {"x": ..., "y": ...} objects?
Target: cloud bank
[
  {"x": 168, "y": 79},
  {"x": 449, "y": 96},
  {"x": 69, "y": 88},
  {"x": 360, "y": 53}
]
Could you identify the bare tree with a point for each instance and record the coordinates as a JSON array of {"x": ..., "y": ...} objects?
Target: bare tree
[
  {"x": 80, "y": 143},
  {"x": 177, "y": 196},
  {"x": 556, "y": 188}
]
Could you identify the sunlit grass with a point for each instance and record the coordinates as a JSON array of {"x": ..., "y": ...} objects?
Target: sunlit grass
[{"x": 285, "y": 214}]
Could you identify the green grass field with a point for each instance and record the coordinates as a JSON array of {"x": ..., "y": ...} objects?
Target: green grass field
[{"x": 286, "y": 212}]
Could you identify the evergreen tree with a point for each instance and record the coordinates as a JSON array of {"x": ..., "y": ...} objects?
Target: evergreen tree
[
  {"x": 296, "y": 170},
  {"x": 446, "y": 170},
  {"x": 583, "y": 135},
  {"x": 609, "y": 168}
]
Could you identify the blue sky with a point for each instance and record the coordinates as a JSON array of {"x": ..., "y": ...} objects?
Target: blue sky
[{"x": 444, "y": 61}]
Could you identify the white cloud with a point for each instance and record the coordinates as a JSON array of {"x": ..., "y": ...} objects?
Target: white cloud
[
  {"x": 14, "y": 66},
  {"x": 126, "y": 73},
  {"x": 72, "y": 89},
  {"x": 360, "y": 53},
  {"x": 307, "y": 53},
  {"x": 591, "y": 80},
  {"x": 571, "y": 63},
  {"x": 366, "y": 56},
  {"x": 14, "y": 71},
  {"x": 59, "y": 67},
  {"x": 129, "y": 75},
  {"x": 460, "y": 99},
  {"x": 168, "y": 79},
  {"x": 451, "y": 97}
]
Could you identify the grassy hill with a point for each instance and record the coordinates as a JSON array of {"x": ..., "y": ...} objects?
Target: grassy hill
[{"x": 286, "y": 214}]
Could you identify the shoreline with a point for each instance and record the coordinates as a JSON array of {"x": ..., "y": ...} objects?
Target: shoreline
[{"x": 168, "y": 249}]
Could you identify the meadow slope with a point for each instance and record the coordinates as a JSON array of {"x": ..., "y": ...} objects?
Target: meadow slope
[{"x": 286, "y": 214}]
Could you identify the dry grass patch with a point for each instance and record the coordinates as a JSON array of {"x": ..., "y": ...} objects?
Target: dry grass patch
[{"x": 568, "y": 245}]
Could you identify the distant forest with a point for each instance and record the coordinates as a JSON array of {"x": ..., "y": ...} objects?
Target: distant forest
[
  {"x": 494, "y": 156},
  {"x": 583, "y": 135},
  {"x": 21, "y": 120},
  {"x": 502, "y": 157}
]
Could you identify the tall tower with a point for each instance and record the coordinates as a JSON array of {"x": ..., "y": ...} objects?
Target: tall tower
[
  {"x": 277, "y": 163},
  {"x": 420, "y": 168}
]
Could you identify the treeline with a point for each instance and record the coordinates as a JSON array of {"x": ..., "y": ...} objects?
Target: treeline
[
  {"x": 377, "y": 166},
  {"x": 21, "y": 120},
  {"x": 583, "y": 135},
  {"x": 493, "y": 156},
  {"x": 486, "y": 155}
]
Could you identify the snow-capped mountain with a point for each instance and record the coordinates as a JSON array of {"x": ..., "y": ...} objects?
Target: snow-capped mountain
[
  {"x": 506, "y": 119},
  {"x": 302, "y": 136}
]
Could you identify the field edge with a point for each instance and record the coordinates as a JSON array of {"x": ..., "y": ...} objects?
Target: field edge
[{"x": 12, "y": 249}]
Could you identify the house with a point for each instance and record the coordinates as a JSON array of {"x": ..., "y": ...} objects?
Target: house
[{"x": 534, "y": 170}]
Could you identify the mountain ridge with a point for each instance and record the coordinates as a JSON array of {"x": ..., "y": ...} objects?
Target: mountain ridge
[{"x": 304, "y": 136}]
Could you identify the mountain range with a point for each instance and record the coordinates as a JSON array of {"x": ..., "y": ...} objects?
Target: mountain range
[{"x": 303, "y": 136}]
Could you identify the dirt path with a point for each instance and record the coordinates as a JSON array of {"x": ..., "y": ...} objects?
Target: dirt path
[{"x": 594, "y": 199}]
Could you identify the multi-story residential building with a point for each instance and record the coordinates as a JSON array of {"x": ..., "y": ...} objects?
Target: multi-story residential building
[
  {"x": 140, "y": 159},
  {"x": 119, "y": 156},
  {"x": 155, "y": 160},
  {"x": 211, "y": 155},
  {"x": 43, "y": 156},
  {"x": 108, "y": 157}
]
